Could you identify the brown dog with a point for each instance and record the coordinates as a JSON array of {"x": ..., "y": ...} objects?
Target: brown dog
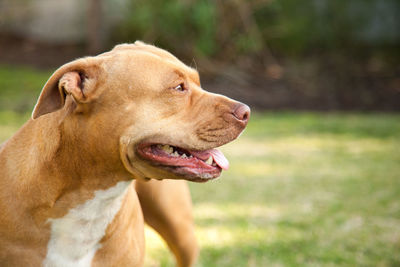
[{"x": 136, "y": 112}]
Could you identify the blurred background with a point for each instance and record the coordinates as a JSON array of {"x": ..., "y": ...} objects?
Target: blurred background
[{"x": 315, "y": 179}]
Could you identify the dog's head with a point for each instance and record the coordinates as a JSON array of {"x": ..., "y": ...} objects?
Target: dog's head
[{"x": 142, "y": 104}]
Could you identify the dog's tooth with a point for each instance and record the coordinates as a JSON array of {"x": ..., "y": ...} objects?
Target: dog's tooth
[
  {"x": 209, "y": 161},
  {"x": 175, "y": 154},
  {"x": 167, "y": 148},
  {"x": 184, "y": 156}
]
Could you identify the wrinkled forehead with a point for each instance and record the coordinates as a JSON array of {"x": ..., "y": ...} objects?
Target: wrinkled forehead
[{"x": 152, "y": 54}]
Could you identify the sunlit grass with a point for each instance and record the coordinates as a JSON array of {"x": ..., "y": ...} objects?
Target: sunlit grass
[{"x": 303, "y": 189}]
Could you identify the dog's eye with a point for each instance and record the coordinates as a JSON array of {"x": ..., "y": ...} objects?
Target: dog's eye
[{"x": 180, "y": 87}]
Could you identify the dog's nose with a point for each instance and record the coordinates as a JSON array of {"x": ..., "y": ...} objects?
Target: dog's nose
[{"x": 242, "y": 112}]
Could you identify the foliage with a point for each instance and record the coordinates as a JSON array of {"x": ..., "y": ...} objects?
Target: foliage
[
  {"x": 232, "y": 29},
  {"x": 172, "y": 24}
]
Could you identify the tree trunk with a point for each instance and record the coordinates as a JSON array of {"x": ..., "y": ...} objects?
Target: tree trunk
[{"x": 94, "y": 27}]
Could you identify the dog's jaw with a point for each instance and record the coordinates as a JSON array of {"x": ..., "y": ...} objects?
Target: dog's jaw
[
  {"x": 142, "y": 163},
  {"x": 198, "y": 166}
]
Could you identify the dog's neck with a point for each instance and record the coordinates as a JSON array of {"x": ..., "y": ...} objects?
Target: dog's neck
[
  {"x": 56, "y": 185},
  {"x": 59, "y": 170}
]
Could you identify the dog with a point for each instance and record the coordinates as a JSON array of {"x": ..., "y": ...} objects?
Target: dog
[{"x": 111, "y": 143}]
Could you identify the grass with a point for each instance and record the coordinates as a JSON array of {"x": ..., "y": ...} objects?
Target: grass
[
  {"x": 304, "y": 189},
  {"x": 20, "y": 87}
]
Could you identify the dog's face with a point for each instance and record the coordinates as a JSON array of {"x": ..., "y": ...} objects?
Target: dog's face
[{"x": 144, "y": 103}]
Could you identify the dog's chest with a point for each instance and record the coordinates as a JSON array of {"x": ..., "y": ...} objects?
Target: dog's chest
[{"x": 75, "y": 238}]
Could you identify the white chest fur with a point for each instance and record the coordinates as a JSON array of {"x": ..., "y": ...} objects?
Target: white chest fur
[{"x": 75, "y": 237}]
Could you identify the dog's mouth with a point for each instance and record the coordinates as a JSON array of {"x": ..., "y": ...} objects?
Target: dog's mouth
[{"x": 198, "y": 166}]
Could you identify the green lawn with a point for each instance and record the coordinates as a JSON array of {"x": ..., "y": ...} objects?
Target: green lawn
[
  {"x": 20, "y": 87},
  {"x": 304, "y": 189}
]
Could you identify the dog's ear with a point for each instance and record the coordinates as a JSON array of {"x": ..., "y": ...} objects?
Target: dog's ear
[{"x": 77, "y": 78}]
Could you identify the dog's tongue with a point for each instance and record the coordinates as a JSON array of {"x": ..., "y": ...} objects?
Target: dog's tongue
[
  {"x": 220, "y": 159},
  {"x": 217, "y": 155}
]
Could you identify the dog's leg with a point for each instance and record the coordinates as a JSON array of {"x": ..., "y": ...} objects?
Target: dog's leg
[{"x": 167, "y": 207}]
